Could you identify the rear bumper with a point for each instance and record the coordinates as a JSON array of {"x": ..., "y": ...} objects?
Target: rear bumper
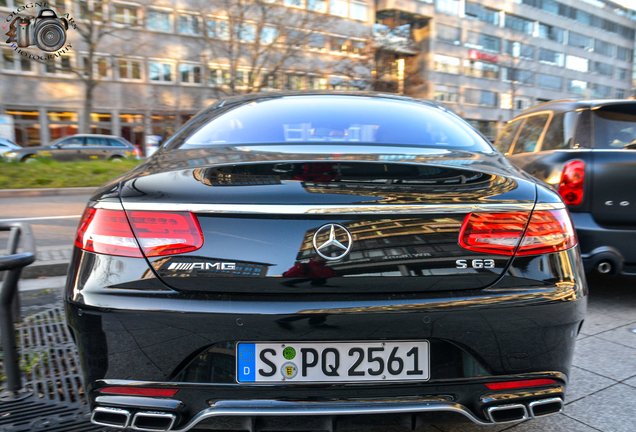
[{"x": 601, "y": 245}]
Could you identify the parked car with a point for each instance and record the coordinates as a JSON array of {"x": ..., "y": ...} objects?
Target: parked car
[
  {"x": 7, "y": 145},
  {"x": 78, "y": 147},
  {"x": 587, "y": 151},
  {"x": 307, "y": 261}
]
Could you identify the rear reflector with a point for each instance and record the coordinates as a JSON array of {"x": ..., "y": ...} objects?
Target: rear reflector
[
  {"x": 520, "y": 384},
  {"x": 139, "y": 391},
  {"x": 501, "y": 233},
  {"x": 158, "y": 233},
  {"x": 571, "y": 184}
]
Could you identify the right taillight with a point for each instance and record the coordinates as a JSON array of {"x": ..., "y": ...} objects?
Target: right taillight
[
  {"x": 571, "y": 184},
  {"x": 502, "y": 233}
]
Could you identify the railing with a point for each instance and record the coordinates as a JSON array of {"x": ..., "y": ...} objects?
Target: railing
[{"x": 13, "y": 263}]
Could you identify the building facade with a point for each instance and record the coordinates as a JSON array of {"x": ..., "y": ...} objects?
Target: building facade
[
  {"x": 157, "y": 62},
  {"x": 489, "y": 59}
]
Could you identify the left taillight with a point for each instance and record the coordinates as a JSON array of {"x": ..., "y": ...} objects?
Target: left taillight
[{"x": 113, "y": 232}]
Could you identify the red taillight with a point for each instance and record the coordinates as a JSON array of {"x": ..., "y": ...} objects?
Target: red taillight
[
  {"x": 501, "y": 233},
  {"x": 139, "y": 391},
  {"x": 106, "y": 232},
  {"x": 520, "y": 384},
  {"x": 571, "y": 184},
  {"x": 163, "y": 233},
  {"x": 158, "y": 233},
  {"x": 497, "y": 233}
]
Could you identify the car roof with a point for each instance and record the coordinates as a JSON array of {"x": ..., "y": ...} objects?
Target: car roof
[
  {"x": 573, "y": 105},
  {"x": 93, "y": 135}
]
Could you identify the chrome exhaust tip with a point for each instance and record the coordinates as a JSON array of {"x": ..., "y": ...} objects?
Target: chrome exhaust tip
[
  {"x": 111, "y": 417},
  {"x": 507, "y": 413},
  {"x": 604, "y": 267},
  {"x": 153, "y": 421},
  {"x": 545, "y": 407}
]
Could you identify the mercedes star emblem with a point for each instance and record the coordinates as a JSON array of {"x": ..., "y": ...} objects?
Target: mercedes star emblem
[{"x": 326, "y": 249}]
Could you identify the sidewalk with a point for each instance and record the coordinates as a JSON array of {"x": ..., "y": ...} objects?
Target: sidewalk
[{"x": 49, "y": 261}]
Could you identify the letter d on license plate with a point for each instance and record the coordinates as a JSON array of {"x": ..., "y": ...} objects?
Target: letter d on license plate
[{"x": 332, "y": 362}]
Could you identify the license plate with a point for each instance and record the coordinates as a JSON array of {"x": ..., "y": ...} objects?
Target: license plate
[{"x": 332, "y": 362}]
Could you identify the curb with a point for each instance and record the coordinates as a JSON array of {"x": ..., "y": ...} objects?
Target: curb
[
  {"x": 47, "y": 268},
  {"x": 20, "y": 193}
]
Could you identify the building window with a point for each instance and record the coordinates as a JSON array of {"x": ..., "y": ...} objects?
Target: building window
[
  {"x": 601, "y": 91},
  {"x": 482, "y": 13},
  {"x": 26, "y": 125},
  {"x": 603, "y": 69},
  {"x": 487, "y": 128},
  {"x": 295, "y": 3},
  {"x": 551, "y": 57},
  {"x": 318, "y": 41},
  {"x": 444, "y": 93},
  {"x": 162, "y": 126},
  {"x": 550, "y": 81},
  {"x": 620, "y": 94},
  {"x": 622, "y": 74},
  {"x": 483, "y": 41},
  {"x": 358, "y": 11},
  {"x": 132, "y": 129},
  {"x": 294, "y": 82},
  {"x": 218, "y": 28},
  {"x": 577, "y": 63},
  {"x": 100, "y": 67},
  {"x": 59, "y": 65},
  {"x": 129, "y": 69},
  {"x": 62, "y": 124},
  {"x": 125, "y": 14},
  {"x": 358, "y": 47},
  {"x": 576, "y": 86},
  {"x": 519, "y": 24},
  {"x": 160, "y": 71},
  {"x": 316, "y": 83},
  {"x": 624, "y": 54},
  {"x": 219, "y": 76},
  {"x": 450, "y": 7},
  {"x": 190, "y": 74},
  {"x": 446, "y": 64},
  {"x": 339, "y": 8},
  {"x": 11, "y": 63},
  {"x": 551, "y": 33},
  {"x": 519, "y": 50},
  {"x": 580, "y": 41},
  {"x": 517, "y": 75},
  {"x": 101, "y": 123},
  {"x": 604, "y": 48},
  {"x": 189, "y": 24},
  {"x": 481, "y": 69},
  {"x": 480, "y": 97},
  {"x": 158, "y": 20},
  {"x": 246, "y": 32},
  {"x": 268, "y": 35},
  {"x": 317, "y": 5},
  {"x": 448, "y": 34}
]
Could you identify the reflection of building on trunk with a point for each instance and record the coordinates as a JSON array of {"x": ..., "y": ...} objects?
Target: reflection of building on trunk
[
  {"x": 407, "y": 247},
  {"x": 214, "y": 177}
]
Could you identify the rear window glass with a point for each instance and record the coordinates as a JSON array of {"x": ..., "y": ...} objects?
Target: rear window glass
[
  {"x": 530, "y": 133},
  {"x": 560, "y": 132},
  {"x": 615, "y": 127},
  {"x": 337, "y": 119},
  {"x": 505, "y": 139}
]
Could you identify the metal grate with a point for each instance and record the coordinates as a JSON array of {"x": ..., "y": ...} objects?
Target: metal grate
[{"x": 50, "y": 366}]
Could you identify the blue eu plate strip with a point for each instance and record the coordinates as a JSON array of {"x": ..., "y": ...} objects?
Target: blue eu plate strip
[{"x": 246, "y": 354}]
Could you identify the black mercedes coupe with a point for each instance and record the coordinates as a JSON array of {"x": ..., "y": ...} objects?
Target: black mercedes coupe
[{"x": 324, "y": 261}]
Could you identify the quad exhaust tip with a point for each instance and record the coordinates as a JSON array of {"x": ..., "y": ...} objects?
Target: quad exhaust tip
[
  {"x": 507, "y": 413},
  {"x": 153, "y": 421},
  {"x": 111, "y": 417},
  {"x": 545, "y": 407}
]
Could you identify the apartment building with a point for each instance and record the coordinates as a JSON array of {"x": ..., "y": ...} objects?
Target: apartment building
[
  {"x": 489, "y": 59},
  {"x": 158, "y": 62}
]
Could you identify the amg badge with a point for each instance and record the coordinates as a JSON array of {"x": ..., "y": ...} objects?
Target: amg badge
[{"x": 202, "y": 266}]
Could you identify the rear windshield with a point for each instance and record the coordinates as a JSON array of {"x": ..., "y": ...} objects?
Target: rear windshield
[
  {"x": 615, "y": 127},
  {"x": 332, "y": 119}
]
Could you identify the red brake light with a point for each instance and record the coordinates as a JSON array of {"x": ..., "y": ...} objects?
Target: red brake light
[
  {"x": 166, "y": 233},
  {"x": 158, "y": 233},
  {"x": 571, "y": 184},
  {"x": 139, "y": 391},
  {"x": 106, "y": 232},
  {"x": 520, "y": 384},
  {"x": 501, "y": 233},
  {"x": 497, "y": 233}
]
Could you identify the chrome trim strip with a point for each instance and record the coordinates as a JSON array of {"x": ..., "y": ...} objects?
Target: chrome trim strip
[
  {"x": 278, "y": 408},
  {"x": 333, "y": 209},
  {"x": 108, "y": 205},
  {"x": 148, "y": 403},
  {"x": 531, "y": 405},
  {"x": 108, "y": 410},
  {"x": 154, "y": 414},
  {"x": 507, "y": 407}
]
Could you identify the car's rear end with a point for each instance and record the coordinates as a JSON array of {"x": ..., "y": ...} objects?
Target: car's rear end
[{"x": 304, "y": 286}]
